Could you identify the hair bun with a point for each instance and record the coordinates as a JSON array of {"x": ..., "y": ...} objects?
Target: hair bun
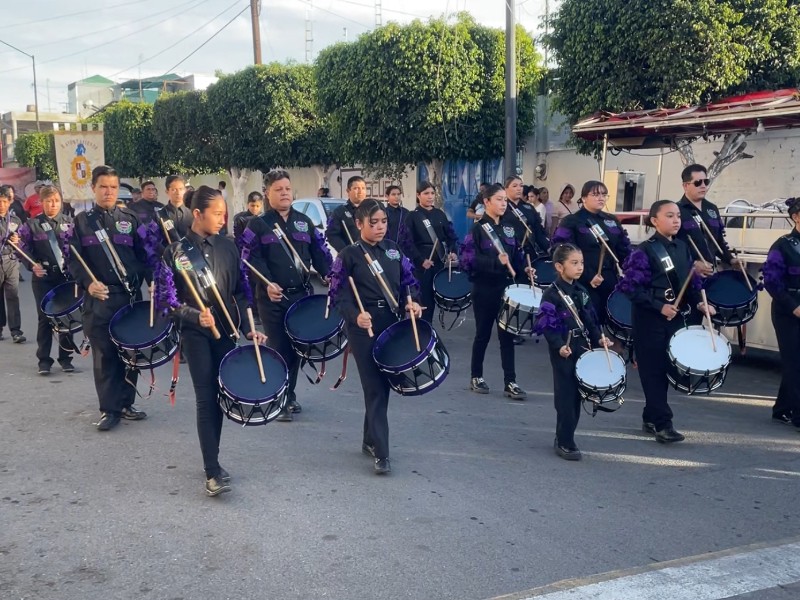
[{"x": 790, "y": 201}]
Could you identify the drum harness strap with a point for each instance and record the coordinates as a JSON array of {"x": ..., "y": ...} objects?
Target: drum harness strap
[
  {"x": 280, "y": 233},
  {"x": 93, "y": 218},
  {"x": 668, "y": 268},
  {"x": 377, "y": 272},
  {"x": 434, "y": 238},
  {"x": 492, "y": 235}
]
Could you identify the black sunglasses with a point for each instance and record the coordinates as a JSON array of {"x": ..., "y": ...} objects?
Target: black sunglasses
[{"x": 699, "y": 182}]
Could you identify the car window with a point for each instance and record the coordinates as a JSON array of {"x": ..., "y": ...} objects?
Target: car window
[
  {"x": 313, "y": 213},
  {"x": 301, "y": 206},
  {"x": 331, "y": 206}
]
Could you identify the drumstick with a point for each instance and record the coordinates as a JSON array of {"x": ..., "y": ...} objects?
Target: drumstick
[
  {"x": 608, "y": 249},
  {"x": 435, "y": 243},
  {"x": 198, "y": 300},
  {"x": 347, "y": 231},
  {"x": 358, "y": 301},
  {"x": 746, "y": 278},
  {"x": 508, "y": 264},
  {"x": 684, "y": 288},
  {"x": 166, "y": 231},
  {"x": 608, "y": 356},
  {"x": 449, "y": 270},
  {"x": 266, "y": 281},
  {"x": 152, "y": 303},
  {"x": 224, "y": 308},
  {"x": 255, "y": 345},
  {"x": 282, "y": 235},
  {"x": 571, "y": 306},
  {"x": 602, "y": 260},
  {"x": 530, "y": 268},
  {"x": 709, "y": 234},
  {"x": 21, "y": 252},
  {"x": 697, "y": 251},
  {"x": 385, "y": 287},
  {"x": 569, "y": 338},
  {"x": 710, "y": 324},
  {"x": 413, "y": 319},
  {"x": 327, "y": 307},
  {"x": 83, "y": 264}
]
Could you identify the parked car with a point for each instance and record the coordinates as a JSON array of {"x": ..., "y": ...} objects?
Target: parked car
[{"x": 319, "y": 211}]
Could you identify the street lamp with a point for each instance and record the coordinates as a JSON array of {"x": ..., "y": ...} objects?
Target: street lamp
[{"x": 35, "y": 88}]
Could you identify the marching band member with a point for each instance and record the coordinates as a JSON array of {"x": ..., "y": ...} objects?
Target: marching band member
[
  {"x": 255, "y": 206},
  {"x": 46, "y": 239},
  {"x": 363, "y": 328},
  {"x": 111, "y": 242},
  {"x": 782, "y": 281},
  {"x": 176, "y": 216},
  {"x": 341, "y": 229},
  {"x": 9, "y": 268},
  {"x": 567, "y": 340},
  {"x": 274, "y": 257},
  {"x": 395, "y": 211},
  {"x": 204, "y": 353},
  {"x": 148, "y": 206},
  {"x": 489, "y": 254},
  {"x": 427, "y": 237},
  {"x": 595, "y": 232},
  {"x": 523, "y": 217},
  {"x": 699, "y": 217},
  {"x": 654, "y": 274}
]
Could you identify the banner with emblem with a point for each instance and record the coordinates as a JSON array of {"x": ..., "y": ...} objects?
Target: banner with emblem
[{"x": 78, "y": 151}]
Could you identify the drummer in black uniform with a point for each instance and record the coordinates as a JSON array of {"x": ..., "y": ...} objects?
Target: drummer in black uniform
[
  {"x": 424, "y": 228},
  {"x": 395, "y": 211},
  {"x": 108, "y": 238},
  {"x": 489, "y": 272},
  {"x": 148, "y": 206},
  {"x": 378, "y": 314},
  {"x": 584, "y": 228},
  {"x": 341, "y": 229},
  {"x": 274, "y": 257},
  {"x": 526, "y": 222},
  {"x": 176, "y": 216},
  {"x": 46, "y": 239},
  {"x": 9, "y": 268},
  {"x": 782, "y": 282},
  {"x": 204, "y": 353},
  {"x": 654, "y": 274},
  {"x": 255, "y": 206}
]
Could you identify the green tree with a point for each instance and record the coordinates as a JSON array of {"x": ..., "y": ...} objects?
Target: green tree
[
  {"x": 618, "y": 55},
  {"x": 38, "y": 150},
  {"x": 182, "y": 125},
  {"x": 130, "y": 146}
]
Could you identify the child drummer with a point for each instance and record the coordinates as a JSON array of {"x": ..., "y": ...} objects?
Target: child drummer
[{"x": 567, "y": 338}]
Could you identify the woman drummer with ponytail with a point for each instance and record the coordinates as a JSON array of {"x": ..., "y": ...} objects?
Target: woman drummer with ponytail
[
  {"x": 368, "y": 309},
  {"x": 782, "y": 281},
  {"x": 206, "y": 340}
]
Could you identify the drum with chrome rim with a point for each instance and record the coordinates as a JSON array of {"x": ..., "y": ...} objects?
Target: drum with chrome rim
[
  {"x": 599, "y": 383},
  {"x": 695, "y": 367},
  {"x": 64, "y": 308},
  {"x": 139, "y": 345},
  {"x": 729, "y": 294},
  {"x": 519, "y": 309},
  {"x": 242, "y": 396}
]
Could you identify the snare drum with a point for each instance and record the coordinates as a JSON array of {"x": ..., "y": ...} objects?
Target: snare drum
[
  {"x": 599, "y": 384},
  {"x": 452, "y": 290},
  {"x": 694, "y": 366},
  {"x": 314, "y": 338},
  {"x": 728, "y": 293},
  {"x": 242, "y": 396},
  {"x": 139, "y": 345},
  {"x": 519, "y": 308},
  {"x": 620, "y": 319},
  {"x": 63, "y": 309},
  {"x": 545, "y": 272},
  {"x": 411, "y": 373}
]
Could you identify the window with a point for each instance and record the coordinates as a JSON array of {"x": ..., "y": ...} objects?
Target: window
[{"x": 313, "y": 213}]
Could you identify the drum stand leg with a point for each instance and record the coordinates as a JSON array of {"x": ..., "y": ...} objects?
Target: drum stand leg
[{"x": 741, "y": 332}]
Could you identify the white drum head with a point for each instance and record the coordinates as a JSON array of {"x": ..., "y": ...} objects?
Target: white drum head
[
  {"x": 524, "y": 296},
  {"x": 691, "y": 349},
  {"x": 592, "y": 369}
]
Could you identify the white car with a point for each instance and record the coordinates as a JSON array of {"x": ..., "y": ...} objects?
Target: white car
[{"x": 319, "y": 211}]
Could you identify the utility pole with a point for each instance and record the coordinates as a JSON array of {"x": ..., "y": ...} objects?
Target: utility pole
[
  {"x": 378, "y": 14},
  {"x": 254, "y": 14},
  {"x": 511, "y": 91},
  {"x": 309, "y": 33},
  {"x": 35, "y": 88}
]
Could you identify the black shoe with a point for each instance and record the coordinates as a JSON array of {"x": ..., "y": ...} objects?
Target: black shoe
[
  {"x": 44, "y": 369},
  {"x": 293, "y": 406},
  {"x": 568, "y": 453},
  {"x": 518, "y": 340},
  {"x": 107, "y": 422},
  {"x": 224, "y": 475},
  {"x": 67, "y": 368},
  {"x": 513, "y": 391},
  {"x": 782, "y": 418},
  {"x": 216, "y": 486},
  {"x": 648, "y": 428},
  {"x": 478, "y": 385},
  {"x": 18, "y": 338},
  {"x": 668, "y": 435},
  {"x": 368, "y": 450},
  {"x": 131, "y": 413},
  {"x": 382, "y": 466},
  {"x": 285, "y": 415}
]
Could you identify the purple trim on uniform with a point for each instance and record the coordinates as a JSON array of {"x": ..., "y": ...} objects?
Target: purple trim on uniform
[
  {"x": 339, "y": 281},
  {"x": 486, "y": 244},
  {"x": 562, "y": 235},
  {"x": 584, "y": 230},
  {"x": 244, "y": 279},
  {"x": 510, "y": 241},
  {"x": 793, "y": 270},
  {"x": 404, "y": 238},
  {"x": 689, "y": 224},
  {"x": 269, "y": 238},
  {"x": 38, "y": 237},
  {"x": 328, "y": 226},
  {"x": 24, "y": 234},
  {"x": 123, "y": 239},
  {"x": 468, "y": 253},
  {"x": 450, "y": 233},
  {"x": 319, "y": 240},
  {"x": 166, "y": 295},
  {"x": 151, "y": 240},
  {"x": 89, "y": 240},
  {"x": 301, "y": 237},
  {"x": 407, "y": 278},
  {"x": 625, "y": 241},
  {"x": 636, "y": 273},
  {"x": 697, "y": 281},
  {"x": 248, "y": 237},
  {"x": 715, "y": 224},
  {"x": 549, "y": 319},
  {"x": 774, "y": 271},
  {"x": 66, "y": 250}
]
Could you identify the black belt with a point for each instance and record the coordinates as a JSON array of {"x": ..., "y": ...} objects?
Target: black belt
[
  {"x": 793, "y": 290},
  {"x": 293, "y": 290},
  {"x": 378, "y": 304}
]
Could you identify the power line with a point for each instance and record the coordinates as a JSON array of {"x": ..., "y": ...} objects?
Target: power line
[
  {"x": 82, "y": 12},
  {"x": 330, "y": 12},
  {"x": 188, "y": 35}
]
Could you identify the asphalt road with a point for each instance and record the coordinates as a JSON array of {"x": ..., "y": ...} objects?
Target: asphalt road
[{"x": 477, "y": 504}]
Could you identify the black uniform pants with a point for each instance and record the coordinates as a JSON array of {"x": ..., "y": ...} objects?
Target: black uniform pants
[
  {"x": 272, "y": 316},
  {"x": 425, "y": 279},
  {"x": 599, "y": 295},
  {"x": 787, "y": 330},
  {"x": 9, "y": 294},
  {"x": 374, "y": 383},
  {"x": 44, "y": 330},
  {"x": 113, "y": 391},
  {"x": 204, "y": 355},
  {"x": 486, "y": 301},
  {"x": 651, "y": 335},
  {"x": 566, "y": 398}
]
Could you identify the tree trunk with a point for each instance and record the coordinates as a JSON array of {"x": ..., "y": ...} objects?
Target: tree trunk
[
  {"x": 687, "y": 153},
  {"x": 239, "y": 178},
  {"x": 733, "y": 150},
  {"x": 324, "y": 175},
  {"x": 436, "y": 170}
]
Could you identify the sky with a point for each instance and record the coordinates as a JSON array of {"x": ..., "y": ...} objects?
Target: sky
[{"x": 125, "y": 39}]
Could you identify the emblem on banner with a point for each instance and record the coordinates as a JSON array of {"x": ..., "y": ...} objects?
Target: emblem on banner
[{"x": 81, "y": 172}]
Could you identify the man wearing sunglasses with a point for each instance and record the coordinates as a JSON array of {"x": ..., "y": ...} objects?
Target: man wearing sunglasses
[{"x": 694, "y": 207}]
